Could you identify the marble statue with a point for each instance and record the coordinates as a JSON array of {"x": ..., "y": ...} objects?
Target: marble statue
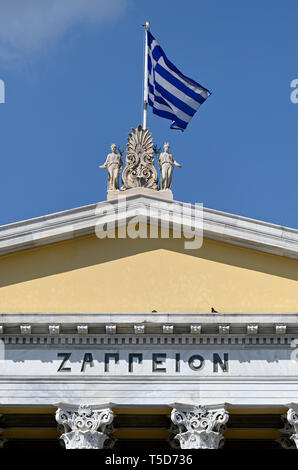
[
  {"x": 114, "y": 165},
  {"x": 166, "y": 164}
]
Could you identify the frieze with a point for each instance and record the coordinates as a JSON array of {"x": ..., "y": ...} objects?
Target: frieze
[{"x": 157, "y": 360}]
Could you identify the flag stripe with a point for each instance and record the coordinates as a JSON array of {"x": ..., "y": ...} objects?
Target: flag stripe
[
  {"x": 172, "y": 95},
  {"x": 198, "y": 89},
  {"x": 168, "y": 115},
  {"x": 167, "y": 76},
  {"x": 160, "y": 55},
  {"x": 167, "y": 85},
  {"x": 161, "y": 103},
  {"x": 157, "y": 97},
  {"x": 174, "y": 100}
]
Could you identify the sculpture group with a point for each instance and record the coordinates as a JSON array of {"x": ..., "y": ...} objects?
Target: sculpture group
[{"x": 139, "y": 168}]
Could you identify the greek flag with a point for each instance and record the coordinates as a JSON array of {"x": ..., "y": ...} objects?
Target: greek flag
[{"x": 171, "y": 94}]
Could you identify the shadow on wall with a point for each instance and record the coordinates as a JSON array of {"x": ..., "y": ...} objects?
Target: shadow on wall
[{"x": 87, "y": 251}]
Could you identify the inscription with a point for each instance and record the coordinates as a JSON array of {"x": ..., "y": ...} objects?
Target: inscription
[{"x": 160, "y": 362}]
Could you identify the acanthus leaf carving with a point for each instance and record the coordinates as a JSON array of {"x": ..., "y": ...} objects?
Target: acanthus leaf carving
[
  {"x": 84, "y": 427},
  {"x": 289, "y": 432},
  {"x": 292, "y": 417},
  {"x": 200, "y": 427},
  {"x": 139, "y": 168}
]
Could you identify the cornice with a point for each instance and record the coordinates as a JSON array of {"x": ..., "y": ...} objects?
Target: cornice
[
  {"x": 235, "y": 318},
  {"x": 217, "y": 225},
  {"x": 148, "y": 328}
]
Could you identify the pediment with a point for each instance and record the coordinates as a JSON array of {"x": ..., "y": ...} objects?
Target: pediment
[{"x": 57, "y": 263}]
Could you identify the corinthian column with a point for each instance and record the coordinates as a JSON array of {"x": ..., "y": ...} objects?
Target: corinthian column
[
  {"x": 84, "y": 427},
  {"x": 200, "y": 427},
  {"x": 292, "y": 417},
  {"x": 2, "y": 441}
]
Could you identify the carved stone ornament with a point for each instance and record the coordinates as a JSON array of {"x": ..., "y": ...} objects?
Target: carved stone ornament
[
  {"x": 80, "y": 426},
  {"x": 195, "y": 329},
  {"x": 252, "y": 329},
  {"x": 173, "y": 442},
  {"x": 111, "y": 329},
  {"x": 289, "y": 438},
  {"x": 82, "y": 329},
  {"x": 25, "y": 329},
  {"x": 2, "y": 441},
  {"x": 168, "y": 329},
  {"x": 280, "y": 329},
  {"x": 292, "y": 417},
  {"x": 139, "y": 329},
  {"x": 223, "y": 329},
  {"x": 200, "y": 427},
  {"x": 285, "y": 439},
  {"x": 54, "y": 329},
  {"x": 139, "y": 168}
]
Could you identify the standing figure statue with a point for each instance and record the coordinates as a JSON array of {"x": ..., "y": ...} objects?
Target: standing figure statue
[
  {"x": 166, "y": 164},
  {"x": 114, "y": 165}
]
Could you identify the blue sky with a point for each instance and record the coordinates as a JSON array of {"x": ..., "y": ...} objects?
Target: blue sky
[{"x": 73, "y": 72}]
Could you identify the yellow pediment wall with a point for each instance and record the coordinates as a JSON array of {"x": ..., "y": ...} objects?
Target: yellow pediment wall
[{"x": 124, "y": 275}]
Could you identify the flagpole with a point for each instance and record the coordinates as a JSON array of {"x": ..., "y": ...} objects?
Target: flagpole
[{"x": 147, "y": 28}]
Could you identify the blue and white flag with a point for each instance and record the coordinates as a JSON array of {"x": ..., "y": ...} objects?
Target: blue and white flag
[{"x": 171, "y": 94}]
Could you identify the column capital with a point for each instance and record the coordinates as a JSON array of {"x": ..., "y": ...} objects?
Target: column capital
[
  {"x": 2, "y": 440},
  {"x": 84, "y": 427},
  {"x": 285, "y": 440},
  {"x": 200, "y": 427},
  {"x": 289, "y": 438},
  {"x": 292, "y": 417}
]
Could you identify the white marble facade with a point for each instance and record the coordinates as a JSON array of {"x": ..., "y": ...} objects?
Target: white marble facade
[{"x": 144, "y": 360}]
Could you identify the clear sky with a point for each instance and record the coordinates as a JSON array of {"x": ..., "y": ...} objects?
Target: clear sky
[{"x": 73, "y": 71}]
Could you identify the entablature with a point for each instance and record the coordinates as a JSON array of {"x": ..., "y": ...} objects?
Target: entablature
[{"x": 149, "y": 328}]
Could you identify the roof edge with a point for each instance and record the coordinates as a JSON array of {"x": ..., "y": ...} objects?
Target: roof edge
[{"x": 217, "y": 225}]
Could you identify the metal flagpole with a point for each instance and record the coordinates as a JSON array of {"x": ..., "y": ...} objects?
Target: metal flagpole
[{"x": 147, "y": 28}]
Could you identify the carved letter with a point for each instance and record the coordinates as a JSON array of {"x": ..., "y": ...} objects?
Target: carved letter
[
  {"x": 66, "y": 357},
  {"x": 223, "y": 365},
  {"x": 88, "y": 359},
  {"x": 177, "y": 362},
  {"x": 156, "y": 362},
  {"x": 115, "y": 356},
  {"x": 194, "y": 358},
  {"x": 131, "y": 356}
]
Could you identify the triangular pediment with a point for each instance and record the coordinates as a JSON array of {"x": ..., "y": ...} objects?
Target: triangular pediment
[{"x": 63, "y": 263}]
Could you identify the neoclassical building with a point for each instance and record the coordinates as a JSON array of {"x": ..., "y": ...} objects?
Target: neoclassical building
[{"x": 115, "y": 332}]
